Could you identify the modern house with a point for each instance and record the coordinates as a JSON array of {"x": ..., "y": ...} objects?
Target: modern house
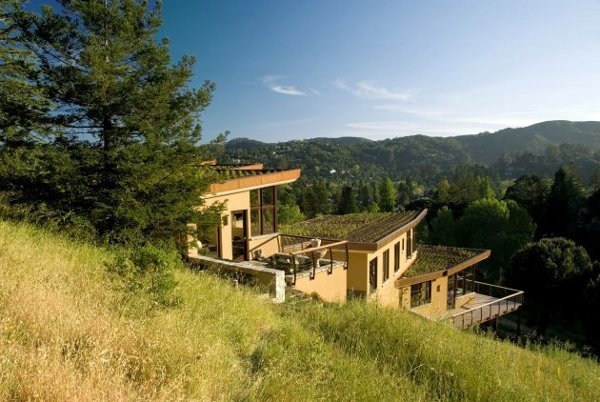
[
  {"x": 370, "y": 256},
  {"x": 247, "y": 239}
]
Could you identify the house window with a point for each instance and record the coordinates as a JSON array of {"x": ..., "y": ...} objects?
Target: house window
[
  {"x": 409, "y": 244},
  {"x": 402, "y": 244},
  {"x": 263, "y": 214},
  {"x": 396, "y": 257},
  {"x": 414, "y": 239},
  {"x": 420, "y": 294},
  {"x": 386, "y": 265},
  {"x": 373, "y": 274}
]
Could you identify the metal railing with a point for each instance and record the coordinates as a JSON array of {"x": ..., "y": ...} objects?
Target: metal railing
[
  {"x": 506, "y": 301},
  {"x": 297, "y": 254}
]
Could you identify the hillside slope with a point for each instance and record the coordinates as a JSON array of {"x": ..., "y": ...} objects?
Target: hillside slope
[
  {"x": 420, "y": 157},
  {"x": 67, "y": 334},
  {"x": 486, "y": 148}
]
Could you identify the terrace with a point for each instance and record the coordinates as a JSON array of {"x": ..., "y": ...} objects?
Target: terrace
[
  {"x": 469, "y": 302},
  {"x": 301, "y": 255}
]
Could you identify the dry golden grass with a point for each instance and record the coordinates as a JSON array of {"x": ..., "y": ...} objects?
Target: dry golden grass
[{"x": 67, "y": 334}]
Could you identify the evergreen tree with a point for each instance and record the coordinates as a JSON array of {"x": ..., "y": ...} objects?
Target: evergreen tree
[
  {"x": 563, "y": 203},
  {"x": 347, "y": 204},
  {"x": 365, "y": 197},
  {"x": 443, "y": 228},
  {"x": 530, "y": 192},
  {"x": 22, "y": 103},
  {"x": 387, "y": 195},
  {"x": 123, "y": 116}
]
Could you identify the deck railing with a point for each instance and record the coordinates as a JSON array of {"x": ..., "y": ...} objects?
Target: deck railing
[
  {"x": 297, "y": 254},
  {"x": 506, "y": 300}
]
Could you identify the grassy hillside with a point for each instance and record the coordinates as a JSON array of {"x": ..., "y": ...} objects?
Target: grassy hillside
[{"x": 67, "y": 334}]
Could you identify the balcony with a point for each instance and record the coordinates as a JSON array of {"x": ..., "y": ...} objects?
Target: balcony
[
  {"x": 487, "y": 302},
  {"x": 301, "y": 255}
]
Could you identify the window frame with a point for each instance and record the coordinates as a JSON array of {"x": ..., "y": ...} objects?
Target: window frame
[
  {"x": 420, "y": 294},
  {"x": 258, "y": 210},
  {"x": 397, "y": 257},
  {"x": 386, "y": 265}
]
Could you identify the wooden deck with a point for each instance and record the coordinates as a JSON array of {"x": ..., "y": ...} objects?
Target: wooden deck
[{"x": 484, "y": 308}]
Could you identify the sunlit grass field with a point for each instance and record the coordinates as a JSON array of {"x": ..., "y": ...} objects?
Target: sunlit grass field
[{"x": 66, "y": 333}]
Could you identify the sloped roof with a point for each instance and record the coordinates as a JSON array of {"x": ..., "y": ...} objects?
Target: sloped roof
[
  {"x": 232, "y": 178},
  {"x": 361, "y": 228},
  {"x": 436, "y": 261}
]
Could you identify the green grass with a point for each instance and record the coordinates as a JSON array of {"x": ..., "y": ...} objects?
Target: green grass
[{"x": 67, "y": 334}]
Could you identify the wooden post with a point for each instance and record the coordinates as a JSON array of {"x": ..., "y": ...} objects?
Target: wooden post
[
  {"x": 275, "y": 210},
  {"x": 294, "y": 268}
]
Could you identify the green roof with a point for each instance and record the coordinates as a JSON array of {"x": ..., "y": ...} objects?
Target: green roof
[
  {"x": 227, "y": 173},
  {"x": 358, "y": 228},
  {"x": 438, "y": 258}
]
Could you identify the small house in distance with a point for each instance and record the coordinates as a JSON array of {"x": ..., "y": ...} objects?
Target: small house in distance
[{"x": 373, "y": 256}]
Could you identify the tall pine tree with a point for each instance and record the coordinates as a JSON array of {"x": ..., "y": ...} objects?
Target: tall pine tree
[{"x": 123, "y": 115}]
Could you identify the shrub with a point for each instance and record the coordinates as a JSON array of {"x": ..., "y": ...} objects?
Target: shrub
[{"x": 147, "y": 269}]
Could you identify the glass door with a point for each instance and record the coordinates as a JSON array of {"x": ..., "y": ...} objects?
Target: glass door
[{"x": 239, "y": 235}]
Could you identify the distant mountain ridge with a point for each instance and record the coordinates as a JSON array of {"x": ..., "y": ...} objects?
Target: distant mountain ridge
[
  {"x": 419, "y": 155},
  {"x": 486, "y": 148}
]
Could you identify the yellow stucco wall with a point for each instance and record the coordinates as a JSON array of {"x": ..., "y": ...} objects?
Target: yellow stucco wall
[
  {"x": 330, "y": 287},
  {"x": 233, "y": 202},
  {"x": 439, "y": 299},
  {"x": 358, "y": 272}
]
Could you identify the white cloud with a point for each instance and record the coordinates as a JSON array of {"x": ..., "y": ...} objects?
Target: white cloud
[
  {"x": 340, "y": 84},
  {"x": 272, "y": 82},
  {"x": 286, "y": 90},
  {"x": 371, "y": 90}
]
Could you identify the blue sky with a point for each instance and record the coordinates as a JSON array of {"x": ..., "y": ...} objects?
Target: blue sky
[
  {"x": 381, "y": 69},
  {"x": 288, "y": 69}
]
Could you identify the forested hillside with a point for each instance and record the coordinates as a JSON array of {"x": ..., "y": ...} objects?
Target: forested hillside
[{"x": 542, "y": 147}]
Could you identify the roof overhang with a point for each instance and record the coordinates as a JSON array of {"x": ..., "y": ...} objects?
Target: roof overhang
[
  {"x": 253, "y": 182},
  {"x": 403, "y": 282}
]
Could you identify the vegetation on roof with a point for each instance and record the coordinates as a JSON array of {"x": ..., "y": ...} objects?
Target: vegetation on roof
[
  {"x": 364, "y": 227},
  {"x": 228, "y": 173},
  {"x": 438, "y": 258}
]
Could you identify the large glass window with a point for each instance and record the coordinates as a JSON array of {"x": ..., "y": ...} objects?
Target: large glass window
[
  {"x": 414, "y": 239},
  {"x": 373, "y": 274},
  {"x": 420, "y": 294},
  {"x": 263, "y": 217},
  {"x": 396, "y": 257},
  {"x": 386, "y": 265}
]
